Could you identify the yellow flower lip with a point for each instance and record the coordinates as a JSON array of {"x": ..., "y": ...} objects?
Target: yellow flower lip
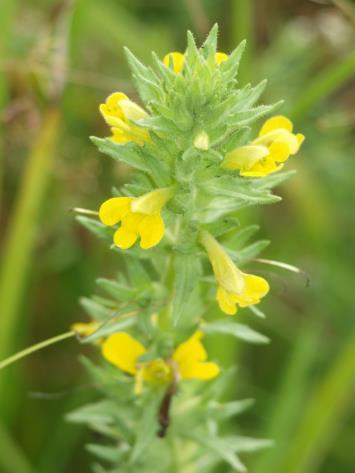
[
  {"x": 121, "y": 114},
  {"x": 139, "y": 217},
  {"x": 235, "y": 288},
  {"x": 267, "y": 153},
  {"x": 187, "y": 362}
]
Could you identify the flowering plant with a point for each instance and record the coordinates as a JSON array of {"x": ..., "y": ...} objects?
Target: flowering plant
[
  {"x": 197, "y": 164},
  {"x": 174, "y": 232}
]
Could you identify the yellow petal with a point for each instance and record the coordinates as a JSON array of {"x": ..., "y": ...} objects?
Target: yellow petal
[
  {"x": 115, "y": 209},
  {"x": 261, "y": 170},
  {"x": 113, "y": 120},
  {"x": 175, "y": 59},
  {"x": 202, "y": 371},
  {"x": 226, "y": 301},
  {"x": 123, "y": 351},
  {"x": 152, "y": 202},
  {"x": 276, "y": 122},
  {"x": 279, "y": 151},
  {"x": 124, "y": 238},
  {"x": 190, "y": 351},
  {"x": 256, "y": 287},
  {"x": 111, "y": 110},
  {"x": 120, "y": 136},
  {"x": 300, "y": 139},
  {"x": 244, "y": 157},
  {"x": 221, "y": 57},
  {"x": 151, "y": 231},
  {"x": 113, "y": 100}
]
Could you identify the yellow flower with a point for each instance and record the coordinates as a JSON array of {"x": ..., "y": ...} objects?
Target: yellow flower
[
  {"x": 139, "y": 217},
  {"x": 177, "y": 60},
  {"x": 187, "y": 362},
  {"x": 267, "y": 153},
  {"x": 119, "y": 113},
  {"x": 235, "y": 288}
]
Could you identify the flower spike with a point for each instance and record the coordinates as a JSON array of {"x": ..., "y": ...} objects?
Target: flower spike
[
  {"x": 267, "y": 153},
  {"x": 235, "y": 288},
  {"x": 139, "y": 217}
]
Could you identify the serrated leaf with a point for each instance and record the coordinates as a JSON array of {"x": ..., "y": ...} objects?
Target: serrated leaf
[
  {"x": 116, "y": 289},
  {"x": 250, "y": 252},
  {"x": 246, "y": 117},
  {"x": 110, "y": 454},
  {"x": 127, "y": 153},
  {"x": 95, "y": 310},
  {"x": 227, "y": 410},
  {"x": 138, "y": 276},
  {"x": 144, "y": 77},
  {"x": 186, "y": 272},
  {"x": 100, "y": 412},
  {"x": 112, "y": 326},
  {"x": 247, "y": 444},
  {"x": 95, "y": 227},
  {"x": 222, "y": 447},
  {"x": 222, "y": 227},
  {"x": 220, "y": 206},
  {"x": 241, "y": 331},
  {"x": 237, "y": 188},
  {"x": 273, "y": 180},
  {"x": 146, "y": 429},
  {"x": 238, "y": 138},
  {"x": 230, "y": 68},
  {"x": 210, "y": 43},
  {"x": 240, "y": 237}
]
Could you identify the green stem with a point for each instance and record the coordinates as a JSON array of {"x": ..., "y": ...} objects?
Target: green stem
[{"x": 36, "y": 347}]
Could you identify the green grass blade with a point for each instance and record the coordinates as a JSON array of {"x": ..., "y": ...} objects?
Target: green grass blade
[
  {"x": 7, "y": 9},
  {"x": 328, "y": 405},
  {"x": 287, "y": 401},
  {"x": 12, "y": 459},
  {"x": 327, "y": 82},
  {"x": 22, "y": 231},
  {"x": 243, "y": 28}
]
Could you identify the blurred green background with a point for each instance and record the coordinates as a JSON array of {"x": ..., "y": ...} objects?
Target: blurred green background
[{"x": 58, "y": 61}]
